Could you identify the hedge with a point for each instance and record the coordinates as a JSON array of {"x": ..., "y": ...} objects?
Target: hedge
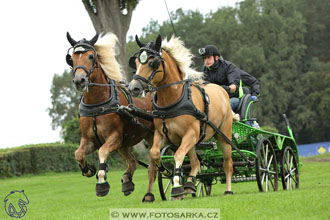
[{"x": 35, "y": 159}]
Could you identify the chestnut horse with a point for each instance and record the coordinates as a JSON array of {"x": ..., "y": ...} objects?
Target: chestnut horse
[
  {"x": 164, "y": 66},
  {"x": 103, "y": 126}
]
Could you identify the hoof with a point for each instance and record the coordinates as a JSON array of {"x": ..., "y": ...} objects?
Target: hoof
[
  {"x": 190, "y": 187},
  {"x": 228, "y": 193},
  {"x": 167, "y": 173},
  {"x": 127, "y": 188},
  {"x": 89, "y": 170},
  {"x": 148, "y": 197},
  {"x": 102, "y": 189},
  {"x": 177, "y": 193}
]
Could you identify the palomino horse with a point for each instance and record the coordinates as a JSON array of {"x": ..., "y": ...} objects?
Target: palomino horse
[
  {"x": 103, "y": 126},
  {"x": 178, "y": 106}
]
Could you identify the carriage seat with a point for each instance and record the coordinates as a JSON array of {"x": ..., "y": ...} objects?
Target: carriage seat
[{"x": 244, "y": 103}]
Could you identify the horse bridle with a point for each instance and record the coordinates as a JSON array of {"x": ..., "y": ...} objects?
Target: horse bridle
[
  {"x": 156, "y": 55},
  {"x": 81, "y": 48},
  {"x": 158, "y": 58}
]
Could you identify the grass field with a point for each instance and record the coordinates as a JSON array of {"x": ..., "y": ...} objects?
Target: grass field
[{"x": 71, "y": 196}]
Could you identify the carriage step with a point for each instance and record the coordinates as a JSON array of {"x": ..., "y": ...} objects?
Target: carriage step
[
  {"x": 236, "y": 179},
  {"x": 207, "y": 145}
]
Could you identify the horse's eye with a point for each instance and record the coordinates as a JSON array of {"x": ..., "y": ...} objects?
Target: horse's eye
[{"x": 91, "y": 56}]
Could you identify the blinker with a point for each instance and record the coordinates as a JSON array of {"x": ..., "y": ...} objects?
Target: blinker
[
  {"x": 143, "y": 58},
  {"x": 155, "y": 63}
]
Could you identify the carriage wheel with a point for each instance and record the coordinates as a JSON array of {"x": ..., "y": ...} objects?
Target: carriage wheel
[
  {"x": 289, "y": 169},
  {"x": 203, "y": 189},
  {"x": 266, "y": 166},
  {"x": 164, "y": 185}
]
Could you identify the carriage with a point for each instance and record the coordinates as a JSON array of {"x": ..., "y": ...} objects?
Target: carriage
[{"x": 258, "y": 155}]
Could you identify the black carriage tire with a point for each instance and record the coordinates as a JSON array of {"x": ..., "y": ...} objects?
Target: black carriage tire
[
  {"x": 208, "y": 189},
  {"x": 266, "y": 168},
  {"x": 162, "y": 190},
  {"x": 203, "y": 188},
  {"x": 289, "y": 169}
]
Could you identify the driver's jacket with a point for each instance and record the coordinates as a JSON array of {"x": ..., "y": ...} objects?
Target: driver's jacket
[{"x": 223, "y": 72}]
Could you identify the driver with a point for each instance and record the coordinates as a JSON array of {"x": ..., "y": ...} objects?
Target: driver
[{"x": 226, "y": 74}]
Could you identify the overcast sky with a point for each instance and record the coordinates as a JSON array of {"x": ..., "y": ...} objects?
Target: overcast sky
[{"x": 33, "y": 49}]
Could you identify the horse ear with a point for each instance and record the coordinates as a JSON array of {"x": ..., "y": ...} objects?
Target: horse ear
[
  {"x": 131, "y": 62},
  {"x": 71, "y": 41},
  {"x": 139, "y": 42},
  {"x": 69, "y": 60},
  {"x": 158, "y": 43},
  {"x": 94, "y": 39}
]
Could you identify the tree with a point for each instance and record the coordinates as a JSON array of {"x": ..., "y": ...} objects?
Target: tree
[
  {"x": 64, "y": 98},
  {"x": 71, "y": 131},
  {"x": 317, "y": 15},
  {"x": 313, "y": 106},
  {"x": 112, "y": 16}
]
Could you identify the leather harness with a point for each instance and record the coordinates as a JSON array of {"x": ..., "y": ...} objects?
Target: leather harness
[{"x": 183, "y": 106}]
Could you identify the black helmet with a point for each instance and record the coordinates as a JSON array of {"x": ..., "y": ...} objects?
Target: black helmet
[{"x": 208, "y": 50}]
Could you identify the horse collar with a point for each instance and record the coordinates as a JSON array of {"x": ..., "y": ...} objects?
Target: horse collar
[
  {"x": 108, "y": 106},
  {"x": 182, "y": 106}
]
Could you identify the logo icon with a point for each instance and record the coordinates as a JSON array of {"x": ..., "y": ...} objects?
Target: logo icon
[
  {"x": 15, "y": 204},
  {"x": 321, "y": 150}
]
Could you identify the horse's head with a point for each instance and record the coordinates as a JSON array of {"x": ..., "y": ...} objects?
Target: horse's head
[
  {"x": 83, "y": 60},
  {"x": 147, "y": 62}
]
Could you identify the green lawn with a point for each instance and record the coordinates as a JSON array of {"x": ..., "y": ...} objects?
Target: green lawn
[{"x": 71, "y": 196}]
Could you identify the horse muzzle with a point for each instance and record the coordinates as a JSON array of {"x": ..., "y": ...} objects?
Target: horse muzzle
[
  {"x": 136, "y": 88},
  {"x": 81, "y": 82}
]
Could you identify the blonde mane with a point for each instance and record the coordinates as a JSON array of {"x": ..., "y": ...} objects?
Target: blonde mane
[
  {"x": 106, "y": 47},
  {"x": 182, "y": 56}
]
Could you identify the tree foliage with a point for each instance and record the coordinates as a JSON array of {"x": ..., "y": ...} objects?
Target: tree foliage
[
  {"x": 64, "y": 99},
  {"x": 112, "y": 16},
  {"x": 270, "y": 39}
]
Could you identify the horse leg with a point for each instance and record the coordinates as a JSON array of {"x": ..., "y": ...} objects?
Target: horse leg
[
  {"x": 189, "y": 186},
  {"x": 86, "y": 147},
  {"x": 155, "y": 149},
  {"x": 127, "y": 183},
  {"x": 227, "y": 156},
  {"x": 158, "y": 142},
  {"x": 152, "y": 171},
  {"x": 227, "y": 165},
  {"x": 113, "y": 143},
  {"x": 187, "y": 143}
]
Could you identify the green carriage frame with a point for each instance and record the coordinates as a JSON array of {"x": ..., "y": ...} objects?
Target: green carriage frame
[{"x": 261, "y": 156}]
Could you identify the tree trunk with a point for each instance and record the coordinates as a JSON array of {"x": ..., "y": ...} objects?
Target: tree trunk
[{"x": 107, "y": 16}]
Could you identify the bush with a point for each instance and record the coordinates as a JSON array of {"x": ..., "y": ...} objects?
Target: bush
[{"x": 35, "y": 159}]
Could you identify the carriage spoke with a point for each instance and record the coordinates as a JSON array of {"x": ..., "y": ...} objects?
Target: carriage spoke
[
  {"x": 263, "y": 178},
  {"x": 291, "y": 163},
  {"x": 266, "y": 155},
  {"x": 272, "y": 172},
  {"x": 167, "y": 186},
  {"x": 270, "y": 161},
  {"x": 270, "y": 180}
]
